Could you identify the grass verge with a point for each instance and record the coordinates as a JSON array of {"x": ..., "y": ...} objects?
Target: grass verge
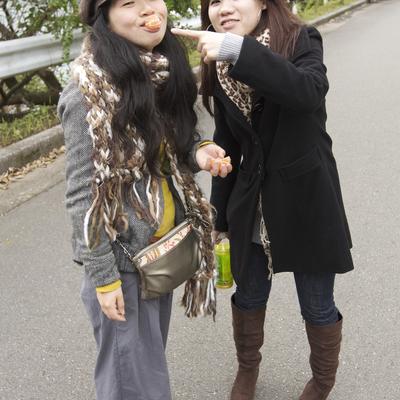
[
  {"x": 313, "y": 9},
  {"x": 41, "y": 118}
]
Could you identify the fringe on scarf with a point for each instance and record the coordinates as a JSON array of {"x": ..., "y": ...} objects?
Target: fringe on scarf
[
  {"x": 199, "y": 296},
  {"x": 265, "y": 241},
  {"x": 112, "y": 176}
]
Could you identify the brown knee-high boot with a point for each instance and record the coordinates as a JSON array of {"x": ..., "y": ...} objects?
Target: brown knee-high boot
[
  {"x": 248, "y": 333},
  {"x": 324, "y": 359}
]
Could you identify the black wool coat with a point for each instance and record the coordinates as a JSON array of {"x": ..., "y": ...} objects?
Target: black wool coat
[{"x": 286, "y": 155}]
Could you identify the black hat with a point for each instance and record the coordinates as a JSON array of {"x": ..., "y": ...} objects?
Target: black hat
[{"x": 89, "y": 9}]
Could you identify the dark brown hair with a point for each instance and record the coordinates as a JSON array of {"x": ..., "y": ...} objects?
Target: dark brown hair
[{"x": 284, "y": 29}]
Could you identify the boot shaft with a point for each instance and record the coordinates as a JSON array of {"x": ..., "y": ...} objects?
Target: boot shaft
[
  {"x": 324, "y": 359},
  {"x": 248, "y": 334}
]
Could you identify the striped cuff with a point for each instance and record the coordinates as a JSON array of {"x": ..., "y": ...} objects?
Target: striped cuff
[
  {"x": 109, "y": 288},
  {"x": 230, "y": 48}
]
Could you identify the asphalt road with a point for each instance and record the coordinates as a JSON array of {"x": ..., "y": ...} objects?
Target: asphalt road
[{"x": 46, "y": 347}]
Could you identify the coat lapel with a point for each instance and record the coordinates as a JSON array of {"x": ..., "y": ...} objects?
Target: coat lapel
[
  {"x": 258, "y": 97},
  {"x": 232, "y": 110}
]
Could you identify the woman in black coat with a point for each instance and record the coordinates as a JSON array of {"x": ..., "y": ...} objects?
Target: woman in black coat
[{"x": 282, "y": 205}]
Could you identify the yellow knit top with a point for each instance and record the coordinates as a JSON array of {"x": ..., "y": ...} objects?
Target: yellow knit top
[{"x": 167, "y": 222}]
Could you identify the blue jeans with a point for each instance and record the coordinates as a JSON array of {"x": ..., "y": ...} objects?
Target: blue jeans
[{"x": 314, "y": 291}]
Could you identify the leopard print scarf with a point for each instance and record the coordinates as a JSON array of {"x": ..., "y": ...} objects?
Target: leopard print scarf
[
  {"x": 241, "y": 96},
  {"x": 113, "y": 173},
  {"x": 239, "y": 92}
]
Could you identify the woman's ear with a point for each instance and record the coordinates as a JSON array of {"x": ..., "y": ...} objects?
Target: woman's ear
[{"x": 264, "y": 5}]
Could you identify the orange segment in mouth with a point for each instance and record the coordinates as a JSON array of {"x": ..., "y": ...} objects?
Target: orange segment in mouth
[{"x": 153, "y": 24}]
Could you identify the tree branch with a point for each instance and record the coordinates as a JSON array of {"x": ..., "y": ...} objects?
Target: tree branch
[
  {"x": 19, "y": 85},
  {"x": 8, "y": 18},
  {"x": 6, "y": 34},
  {"x": 2, "y": 92},
  {"x": 50, "y": 80}
]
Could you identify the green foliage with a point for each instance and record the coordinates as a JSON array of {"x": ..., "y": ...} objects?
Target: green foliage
[
  {"x": 185, "y": 8},
  {"x": 35, "y": 85},
  {"x": 41, "y": 118},
  {"x": 191, "y": 51},
  {"x": 194, "y": 58},
  {"x": 23, "y": 18}
]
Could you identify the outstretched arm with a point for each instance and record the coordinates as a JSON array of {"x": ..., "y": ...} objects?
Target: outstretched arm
[{"x": 299, "y": 83}]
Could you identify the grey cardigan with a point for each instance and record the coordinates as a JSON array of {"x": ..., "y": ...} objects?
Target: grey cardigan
[{"x": 104, "y": 262}]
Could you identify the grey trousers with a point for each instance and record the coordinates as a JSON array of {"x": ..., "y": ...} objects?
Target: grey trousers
[{"x": 131, "y": 362}]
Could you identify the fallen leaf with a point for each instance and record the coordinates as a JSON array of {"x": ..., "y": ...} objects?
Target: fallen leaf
[{"x": 15, "y": 174}]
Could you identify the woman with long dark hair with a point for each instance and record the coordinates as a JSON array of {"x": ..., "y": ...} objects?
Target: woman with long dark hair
[
  {"x": 282, "y": 204},
  {"x": 130, "y": 129}
]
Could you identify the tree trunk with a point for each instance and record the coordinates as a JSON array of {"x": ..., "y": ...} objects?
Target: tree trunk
[
  {"x": 49, "y": 98},
  {"x": 50, "y": 80}
]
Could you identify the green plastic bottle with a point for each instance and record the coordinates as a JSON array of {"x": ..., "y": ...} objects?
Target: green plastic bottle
[{"x": 223, "y": 261}]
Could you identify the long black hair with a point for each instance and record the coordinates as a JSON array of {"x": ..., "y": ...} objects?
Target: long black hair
[{"x": 156, "y": 113}]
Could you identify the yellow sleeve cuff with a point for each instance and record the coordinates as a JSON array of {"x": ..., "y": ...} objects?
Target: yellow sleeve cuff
[
  {"x": 109, "y": 288},
  {"x": 204, "y": 143}
]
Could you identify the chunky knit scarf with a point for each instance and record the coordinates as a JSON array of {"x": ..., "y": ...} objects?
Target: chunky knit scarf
[
  {"x": 241, "y": 95},
  {"x": 237, "y": 91},
  {"x": 113, "y": 173}
]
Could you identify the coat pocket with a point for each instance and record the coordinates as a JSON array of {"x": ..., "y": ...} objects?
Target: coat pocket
[{"x": 301, "y": 166}]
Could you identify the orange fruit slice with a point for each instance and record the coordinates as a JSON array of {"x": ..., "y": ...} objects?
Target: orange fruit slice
[
  {"x": 153, "y": 24},
  {"x": 226, "y": 160}
]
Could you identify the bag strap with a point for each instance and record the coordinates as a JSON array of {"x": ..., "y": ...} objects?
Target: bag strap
[{"x": 126, "y": 251}]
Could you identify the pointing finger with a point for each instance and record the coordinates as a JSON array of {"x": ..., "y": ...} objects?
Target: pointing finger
[{"x": 187, "y": 33}]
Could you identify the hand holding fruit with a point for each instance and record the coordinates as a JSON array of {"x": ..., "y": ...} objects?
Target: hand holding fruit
[{"x": 212, "y": 158}]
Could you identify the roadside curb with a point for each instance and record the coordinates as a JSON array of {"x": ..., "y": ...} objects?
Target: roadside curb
[
  {"x": 337, "y": 13},
  {"x": 19, "y": 154},
  {"x": 33, "y": 147}
]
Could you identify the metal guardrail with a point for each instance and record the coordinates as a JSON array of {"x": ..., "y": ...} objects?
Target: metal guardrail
[
  {"x": 30, "y": 54},
  {"x": 33, "y": 53}
]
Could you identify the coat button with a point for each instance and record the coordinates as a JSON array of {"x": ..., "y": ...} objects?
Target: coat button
[{"x": 258, "y": 106}]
